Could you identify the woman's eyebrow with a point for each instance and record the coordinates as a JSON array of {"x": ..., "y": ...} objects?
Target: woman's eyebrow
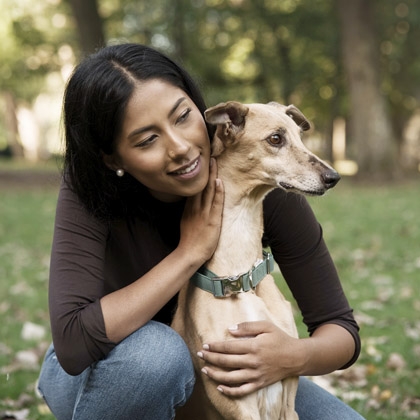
[
  {"x": 138, "y": 131},
  {"x": 177, "y": 104}
]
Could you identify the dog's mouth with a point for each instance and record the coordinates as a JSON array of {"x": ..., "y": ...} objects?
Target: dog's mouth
[{"x": 289, "y": 187}]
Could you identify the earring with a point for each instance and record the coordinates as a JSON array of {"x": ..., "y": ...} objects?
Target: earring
[{"x": 120, "y": 172}]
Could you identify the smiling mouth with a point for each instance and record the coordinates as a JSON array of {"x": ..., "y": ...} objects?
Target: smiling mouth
[{"x": 186, "y": 169}]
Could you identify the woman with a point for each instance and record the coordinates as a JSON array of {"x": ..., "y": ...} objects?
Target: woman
[{"x": 139, "y": 211}]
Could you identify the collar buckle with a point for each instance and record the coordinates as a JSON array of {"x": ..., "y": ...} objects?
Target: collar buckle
[{"x": 231, "y": 285}]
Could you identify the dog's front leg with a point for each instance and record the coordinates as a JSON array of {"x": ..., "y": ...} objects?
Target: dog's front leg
[
  {"x": 282, "y": 315},
  {"x": 198, "y": 321}
]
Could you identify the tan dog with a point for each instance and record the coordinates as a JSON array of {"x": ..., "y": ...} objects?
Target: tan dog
[{"x": 258, "y": 148}]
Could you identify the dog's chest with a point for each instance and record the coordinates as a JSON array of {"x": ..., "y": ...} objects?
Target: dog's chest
[
  {"x": 252, "y": 307},
  {"x": 269, "y": 401},
  {"x": 225, "y": 312}
]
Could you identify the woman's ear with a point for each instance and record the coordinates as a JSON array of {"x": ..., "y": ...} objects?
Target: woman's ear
[{"x": 110, "y": 161}]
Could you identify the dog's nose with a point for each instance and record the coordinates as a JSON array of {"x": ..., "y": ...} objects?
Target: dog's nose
[{"x": 330, "y": 179}]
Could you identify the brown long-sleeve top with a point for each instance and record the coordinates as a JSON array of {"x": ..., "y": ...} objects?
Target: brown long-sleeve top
[{"x": 91, "y": 258}]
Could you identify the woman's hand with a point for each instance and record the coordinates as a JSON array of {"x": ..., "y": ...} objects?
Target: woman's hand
[
  {"x": 265, "y": 354},
  {"x": 130, "y": 307},
  {"x": 202, "y": 218}
]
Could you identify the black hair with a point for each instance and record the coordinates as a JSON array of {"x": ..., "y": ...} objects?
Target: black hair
[{"x": 95, "y": 101}]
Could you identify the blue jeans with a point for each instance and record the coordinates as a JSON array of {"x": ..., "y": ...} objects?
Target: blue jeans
[{"x": 147, "y": 376}]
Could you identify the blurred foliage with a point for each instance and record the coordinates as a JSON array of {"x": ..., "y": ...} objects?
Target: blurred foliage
[
  {"x": 399, "y": 32},
  {"x": 33, "y": 35},
  {"x": 249, "y": 50}
]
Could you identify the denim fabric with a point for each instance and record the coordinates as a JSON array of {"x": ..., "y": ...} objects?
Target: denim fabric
[
  {"x": 314, "y": 403},
  {"x": 146, "y": 376}
]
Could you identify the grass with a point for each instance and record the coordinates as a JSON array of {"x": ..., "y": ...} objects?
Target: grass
[
  {"x": 373, "y": 234},
  {"x": 26, "y": 225}
]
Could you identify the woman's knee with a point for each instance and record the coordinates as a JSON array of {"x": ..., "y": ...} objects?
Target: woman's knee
[
  {"x": 59, "y": 389},
  {"x": 313, "y": 403},
  {"x": 155, "y": 355},
  {"x": 151, "y": 373}
]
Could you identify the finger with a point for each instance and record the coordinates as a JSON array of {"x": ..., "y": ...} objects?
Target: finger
[
  {"x": 197, "y": 202},
  {"x": 209, "y": 191},
  {"x": 215, "y": 206},
  {"x": 232, "y": 377},
  {"x": 213, "y": 168},
  {"x": 228, "y": 347},
  {"x": 226, "y": 361},
  {"x": 238, "y": 391},
  {"x": 219, "y": 195},
  {"x": 251, "y": 329}
]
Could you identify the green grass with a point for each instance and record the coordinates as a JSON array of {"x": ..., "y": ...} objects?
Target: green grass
[
  {"x": 373, "y": 234},
  {"x": 26, "y": 225}
]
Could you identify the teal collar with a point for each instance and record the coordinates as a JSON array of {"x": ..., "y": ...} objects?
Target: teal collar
[{"x": 226, "y": 286}]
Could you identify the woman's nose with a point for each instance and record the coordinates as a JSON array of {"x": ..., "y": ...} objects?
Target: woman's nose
[{"x": 177, "y": 146}]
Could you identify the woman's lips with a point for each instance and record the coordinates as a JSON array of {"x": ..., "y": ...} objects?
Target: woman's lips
[{"x": 188, "y": 171}]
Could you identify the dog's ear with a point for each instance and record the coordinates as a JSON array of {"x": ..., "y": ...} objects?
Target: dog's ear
[
  {"x": 230, "y": 120},
  {"x": 298, "y": 117},
  {"x": 232, "y": 114},
  {"x": 295, "y": 114},
  {"x": 228, "y": 116}
]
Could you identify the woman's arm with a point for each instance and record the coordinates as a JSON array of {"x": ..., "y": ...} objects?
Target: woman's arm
[
  {"x": 269, "y": 354},
  {"x": 129, "y": 308},
  {"x": 86, "y": 321},
  {"x": 296, "y": 241}
]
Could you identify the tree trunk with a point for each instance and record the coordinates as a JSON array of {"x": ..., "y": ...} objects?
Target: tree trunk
[
  {"x": 12, "y": 131},
  {"x": 89, "y": 25},
  {"x": 370, "y": 125},
  {"x": 178, "y": 29}
]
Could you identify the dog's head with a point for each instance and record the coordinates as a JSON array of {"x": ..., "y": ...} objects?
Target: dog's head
[{"x": 264, "y": 143}]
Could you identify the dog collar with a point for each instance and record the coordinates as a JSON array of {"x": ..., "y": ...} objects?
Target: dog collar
[{"x": 229, "y": 285}]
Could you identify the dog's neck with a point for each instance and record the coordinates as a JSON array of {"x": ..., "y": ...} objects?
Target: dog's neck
[{"x": 239, "y": 246}]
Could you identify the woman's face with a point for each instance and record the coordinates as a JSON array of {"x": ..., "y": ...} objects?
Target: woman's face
[{"x": 164, "y": 142}]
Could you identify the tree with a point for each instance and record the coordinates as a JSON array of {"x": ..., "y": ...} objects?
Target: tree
[
  {"x": 32, "y": 35},
  {"x": 248, "y": 50},
  {"x": 370, "y": 122},
  {"x": 89, "y": 25}
]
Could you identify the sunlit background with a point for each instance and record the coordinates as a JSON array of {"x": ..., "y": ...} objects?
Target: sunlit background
[
  {"x": 351, "y": 66},
  {"x": 309, "y": 53}
]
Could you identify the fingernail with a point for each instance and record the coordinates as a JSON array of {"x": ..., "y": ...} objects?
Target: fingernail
[
  {"x": 200, "y": 354},
  {"x": 218, "y": 182},
  {"x": 220, "y": 389},
  {"x": 206, "y": 347},
  {"x": 233, "y": 327},
  {"x": 211, "y": 161},
  {"x": 204, "y": 371}
]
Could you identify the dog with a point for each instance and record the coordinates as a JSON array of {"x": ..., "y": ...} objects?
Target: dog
[{"x": 258, "y": 148}]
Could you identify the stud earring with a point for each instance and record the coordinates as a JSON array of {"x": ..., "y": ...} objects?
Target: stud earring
[{"x": 120, "y": 172}]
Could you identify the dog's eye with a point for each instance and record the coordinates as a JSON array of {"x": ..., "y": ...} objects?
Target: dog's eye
[{"x": 276, "y": 139}]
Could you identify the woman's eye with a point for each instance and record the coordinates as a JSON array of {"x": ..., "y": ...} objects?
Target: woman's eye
[
  {"x": 146, "y": 142},
  {"x": 276, "y": 139},
  {"x": 184, "y": 115}
]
